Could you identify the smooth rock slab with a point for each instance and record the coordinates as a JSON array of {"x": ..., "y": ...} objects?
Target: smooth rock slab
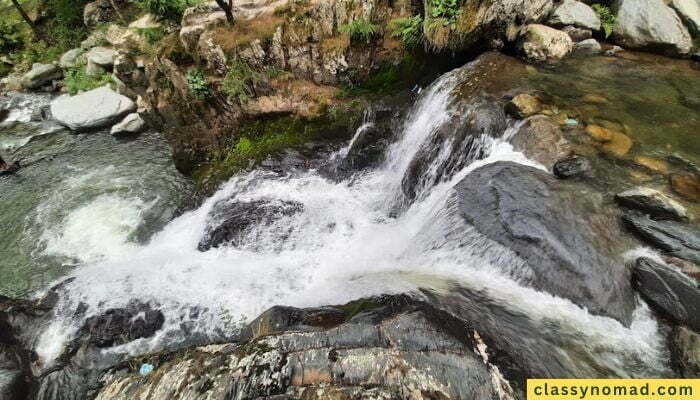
[
  {"x": 93, "y": 109},
  {"x": 669, "y": 292},
  {"x": 572, "y": 12},
  {"x": 651, "y": 25},
  {"x": 132, "y": 123},
  {"x": 673, "y": 238},
  {"x": 653, "y": 202}
]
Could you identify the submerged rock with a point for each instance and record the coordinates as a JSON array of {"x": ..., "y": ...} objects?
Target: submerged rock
[
  {"x": 670, "y": 292},
  {"x": 575, "y": 13},
  {"x": 560, "y": 234},
  {"x": 687, "y": 185},
  {"x": 571, "y": 167},
  {"x": 653, "y": 202},
  {"x": 673, "y": 238},
  {"x": 93, "y": 109},
  {"x": 651, "y": 25},
  {"x": 542, "y": 140},
  {"x": 541, "y": 43},
  {"x": 523, "y": 106}
]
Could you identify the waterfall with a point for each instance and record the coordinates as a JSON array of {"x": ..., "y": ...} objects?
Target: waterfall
[{"x": 347, "y": 242}]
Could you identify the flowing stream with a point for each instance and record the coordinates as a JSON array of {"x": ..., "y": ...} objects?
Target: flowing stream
[{"x": 104, "y": 224}]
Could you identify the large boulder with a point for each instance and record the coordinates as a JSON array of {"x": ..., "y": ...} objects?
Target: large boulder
[
  {"x": 93, "y": 109},
  {"x": 557, "y": 236},
  {"x": 673, "y": 238},
  {"x": 41, "y": 75},
  {"x": 102, "y": 56},
  {"x": 98, "y": 12},
  {"x": 575, "y": 13},
  {"x": 651, "y": 25},
  {"x": 70, "y": 58},
  {"x": 541, "y": 43},
  {"x": 668, "y": 291},
  {"x": 689, "y": 10}
]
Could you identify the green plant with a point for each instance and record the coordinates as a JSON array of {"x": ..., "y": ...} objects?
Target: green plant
[
  {"x": 76, "y": 79},
  {"x": 361, "y": 30},
  {"x": 607, "y": 18},
  {"x": 447, "y": 11},
  {"x": 152, "y": 35},
  {"x": 198, "y": 85},
  {"x": 10, "y": 36},
  {"x": 167, "y": 9},
  {"x": 240, "y": 80},
  {"x": 408, "y": 30}
]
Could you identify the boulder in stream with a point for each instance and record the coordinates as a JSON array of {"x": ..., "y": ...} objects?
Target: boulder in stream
[
  {"x": 571, "y": 167},
  {"x": 93, "y": 109},
  {"x": 541, "y": 43},
  {"x": 673, "y": 238},
  {"x": 651, "y": 25},
  {"x": 653, "y": 202},
  {"x": 575, "y": 13},
  {"x": 132, "y": 123}
]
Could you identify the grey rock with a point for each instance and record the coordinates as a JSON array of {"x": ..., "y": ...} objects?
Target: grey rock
[
  {"x": 132, "y": 123},
  {"x": 41, "y": 75},
  {"x": 96, "y": 38},
  {"x": 653, "y": 202},
  {"x": 686, "y": 344},
  {"x": 571, "y": 167},
  {"x": 95, "y": 108},
  {"x": 587, "y": 47},
  {"x": 94, "y": 70},
  {"x": 651, "y": 25},
  {"x": 98, "y": 12},
  {"x": 198, "y": 20},
  {"x": 669, "y": 292},
  {"x": 541, "y": 140},
  {"x": 102, "y": 56},
  {"x": 576, "y": 13},
  {"x": 673, "y": 238},
  {"x": 541, "y": 43},
  {"x": 577, "y": 34},
  {"x": 611, "y": 52},
  {"x": 70, "y": 58},
  {"x": 689, "y": 10},
  {"x": 559, "y": 234}
]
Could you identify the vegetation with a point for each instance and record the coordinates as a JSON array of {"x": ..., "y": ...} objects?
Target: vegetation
[
  {"x": 152, "y": 35},
  {"x": 198, "y": 85},
  {"x": 10, "y": 37},
  {"x": 361, "y": 30},
  {"x": 446, "y": 11},
  {"x": 607, "y": 18},
  {"x": 408, "y": 30},
  {"x": 240, "y": 80},
  {"x": 76, "y": 79},
  {"x": 167, "y": 9}
]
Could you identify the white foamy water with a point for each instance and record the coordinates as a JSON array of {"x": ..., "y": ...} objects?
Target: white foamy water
[{"x": 345, "y": 244}]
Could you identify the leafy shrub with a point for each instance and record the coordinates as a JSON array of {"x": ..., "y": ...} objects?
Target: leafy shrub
[
  {"x": 167, "y": 9},
  {"x": 197, "y": 83},
  {"x": 408, "y": 30},
  {"x": 607, "y": 18},
  {"x": 361, "y": 30},
  {"x": 240, "y": 80},
  {"x": 10, "y": 37},
  {"x": 152, "y": 35},
  {"x": 76, "y": 80},
  {"x": 447, "y": 11}
]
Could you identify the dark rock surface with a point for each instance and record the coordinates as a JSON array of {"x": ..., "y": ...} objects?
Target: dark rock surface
[
  {"x": 563, "y": 234},
  {"x": 673, "y": 238},
  {"x": 231, "y": 221},
  {"x": 571, "y": 167},
  {"x": 653, "y": 202},
  {"x": 122, "y": 325},
  {"x": 669, "y": 292}
]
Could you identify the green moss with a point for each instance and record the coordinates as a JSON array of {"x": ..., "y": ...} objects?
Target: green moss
[{"x": 77, "y": 80}]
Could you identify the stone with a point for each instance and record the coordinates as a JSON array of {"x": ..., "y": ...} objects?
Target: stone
[
  {"x": 96, "y": 38},
  {"x": 595, "y": 99},
  {"x": 575, "y": 13},
  {"x": 94, "y": 70},
  {"x": 687, "y": 350},
  {"x": 571, "y": 167},
  {"x": 41, "y": 75},
  {"x": 599, "y": 134},
  {"x": 668, "y": 291},
  {"x": 560, "y": 235},
  {"x": 652, "y": 202},
  {"x": 98, "y": 12},
  {"x": 611, "y": 52},
  {"x": 70, "y": 58},
  {"x": 132, "y": 123},
  {"x": 541, "y": 43},
  {"x": 587, "y": 47},
  {"x": 610, "y": 141},
  {"x": 577, "y": 34},
  {"x": 523, "y": 106},
  {"x": 653, "y": 164},
  {"x": 102, "y": 56},
  {"x": 93, "y": 109},
  {"x": 122, "y": 325},
  {"x": 147, "y": 21},
  {"x": 686, "y": 185},
  {"x": 541, "y": 140},
  {"x": 689, "y": 11},
  {"x": 197, "y": 20},
  {"x": 673, "y": 238},
  {"x": 651, "y": 25}
]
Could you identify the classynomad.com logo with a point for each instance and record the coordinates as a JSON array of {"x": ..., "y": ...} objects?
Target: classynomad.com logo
[{"x": 613, "y": 389}]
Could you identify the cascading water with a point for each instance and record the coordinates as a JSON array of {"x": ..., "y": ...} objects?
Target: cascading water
[{"x": 346, "y": 242}]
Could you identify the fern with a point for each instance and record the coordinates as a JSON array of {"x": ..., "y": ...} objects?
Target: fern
[
  {"x": 361, "y": 30},
  {"x": 408, "y": 30},
  {"x": 447, "y": 11},
  {"x": 607, "y": 18}
]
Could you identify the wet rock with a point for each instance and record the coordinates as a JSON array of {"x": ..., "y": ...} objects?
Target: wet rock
[
  {"x": 651, "y": 25},
  {"x": 122, "y": 325},
  {"x": 653, "y": 164},
  {"x": 368, "y": 149},
  {"x": 686, "y": 185},
  {"x": 283, "y": 319},
  {"x": 575, "y": 13},
  {"x": 673, "y": 238},
  {"x": 132, "y": 123},
  {"x": 652, "y": 202},
  {"x": 613, "y": 51},
  {"x": 686, "y": 344},
  {"x": 689, "y": 11},
  {"x": 541, "y": 43},
  {"x": 230, "y": 222},
  {"x": 12, "y": 384},
  {"x": 577, "y": 34},
  {"x": 571, "y": 167},
  {"x": 523, "y": 106},
  {"x": 669, "y": 292},
  {"x": 41, "y": 75},
  {"x": 587, "y": 47},
  {"x": 70, "y": 58},
  {"x": 542, "y": 140},
  {"x": 559, "y": 233},
  {"x": 613, "y": 142},
  {"x": 98, "y": 12},
  {"x": 93, "y": 109}
]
